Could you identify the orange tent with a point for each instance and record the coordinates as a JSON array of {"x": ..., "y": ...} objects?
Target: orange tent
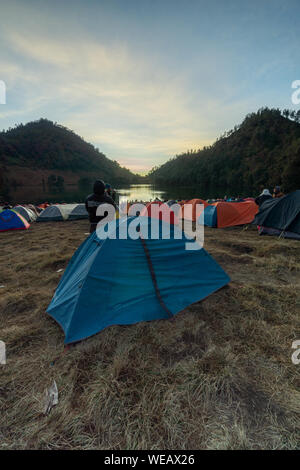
[
  {"x": 44, "y": 205},
  {"x": 161, "y": 211},
  {"x": 190, "y": 211},
  {"x": 235, "y": 213}
]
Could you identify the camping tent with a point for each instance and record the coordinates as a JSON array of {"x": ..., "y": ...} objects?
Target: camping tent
[
  {"x": 79, "y": 212},
  {"x": 171, "y": 202},
  {"x": 280, "y": 214},
  {"x": 190, "y": 211},
  {"x": 228, "y": 214},
  {"x": 10, "y": 220},
  {"x": 26, "y": 213},
  {"x": 57, "y": 212},
  {"x": 34, "y": 209},
  {"x": 175, "y": 206},
  {"x": 121, "y": 281},
  {"x": 161, "y": 211},
  {"x": 132, "y": 207},
  {"x": 43, "y": 205}
]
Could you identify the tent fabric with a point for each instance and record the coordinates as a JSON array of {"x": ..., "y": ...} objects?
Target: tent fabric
[
  {"x": 124, "y": 206},
  {"x": 57, "y": 212},
  {"x": 209, "y": 216},
  {"x": 79, "y": 212},
  {"x": 32, "y": 208},
  {"x": 235, "y": 213},
  {"x": 26, "y": 213},
  {"x": 161, "y": 211},
  {"x": 131, "y": 207},
  {"x": 171, "y": 202},
  {"x": 189, "y": 210},
  {"x": 10, "y": 220},
  {"x": 281, "y": 213},
  {"x": 108, "y": 282},
  {"x": 229, "y": 214},
  {"x": 278, "y": 233}
]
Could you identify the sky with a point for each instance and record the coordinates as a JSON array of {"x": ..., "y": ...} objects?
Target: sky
[{"x": 146, "y": 80}]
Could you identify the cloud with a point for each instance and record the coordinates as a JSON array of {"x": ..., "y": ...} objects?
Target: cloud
[
  {"x": 138, "y": 106},
  {"x": 114, "y": 98}
]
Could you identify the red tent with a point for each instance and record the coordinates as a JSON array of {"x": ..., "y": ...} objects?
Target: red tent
[
  {"x": 161, "y": 211},
  {"x": 190, "y": 211}
]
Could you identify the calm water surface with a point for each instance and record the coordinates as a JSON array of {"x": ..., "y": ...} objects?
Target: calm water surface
[{"x": 133, "y": 192}]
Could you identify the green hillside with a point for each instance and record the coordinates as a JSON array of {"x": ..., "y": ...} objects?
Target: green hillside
[
  {"x": 46, "y": 145},
  {"x": 262, "y": 152}
]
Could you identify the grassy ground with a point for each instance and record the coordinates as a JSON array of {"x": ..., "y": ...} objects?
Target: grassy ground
[{"x": 220, "y": 376}]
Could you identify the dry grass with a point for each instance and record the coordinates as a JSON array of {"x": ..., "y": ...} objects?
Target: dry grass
[{"x": 219, "y": 376}]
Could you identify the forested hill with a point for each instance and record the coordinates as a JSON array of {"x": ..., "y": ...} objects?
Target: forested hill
[
  {"x": 46, "y": 145},
  {"x": 262, "y": 152}
]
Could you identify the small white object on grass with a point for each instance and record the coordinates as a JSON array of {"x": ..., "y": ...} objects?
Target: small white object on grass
[
  {"x": 59, "y": 271},
  {"x": 2, "y": 353},
  {"x": 51, "y": 398}
]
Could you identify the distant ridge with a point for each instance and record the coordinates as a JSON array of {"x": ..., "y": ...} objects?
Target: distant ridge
[
  {"x": 45, "y": 145},
  {"x": 262, "y": 152}
]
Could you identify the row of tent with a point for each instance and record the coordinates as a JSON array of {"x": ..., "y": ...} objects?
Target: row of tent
[
  {"x": 28, "y": 213},
  {"x": 279, "y": 216},
  {"x": 61, "y": 212},
  {"x": 20, "y": 217},
  {"x": 218, "y": 214},
  {"x": 275, "y": 216}
]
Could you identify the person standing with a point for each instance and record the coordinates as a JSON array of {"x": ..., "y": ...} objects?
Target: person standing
[
  {"x": 277, "y": 192},
  {"x": 93, "y": 201},
  {"x": 263, "y": 197},
  {"x": 110, "y": 191}
]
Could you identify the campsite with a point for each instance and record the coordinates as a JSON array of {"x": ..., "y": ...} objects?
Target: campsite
[
  {"x": 149, "y": 230},
  {"x": 218, "y": 375}
]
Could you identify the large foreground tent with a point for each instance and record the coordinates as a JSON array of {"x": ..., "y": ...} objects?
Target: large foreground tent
[
  {"x": 121, "y": 281},
  {"x": 57, "y": 212},
  {"x": 280, "y": 216},
  {"x": 228, "y": 214},
  {"x": 10, "y": 220}
]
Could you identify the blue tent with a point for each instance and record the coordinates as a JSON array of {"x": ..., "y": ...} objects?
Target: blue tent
[
  {"x": 125, "y": 281},
  {"x": 11, "y": 220},
  {"x": 208, "y": 216}
]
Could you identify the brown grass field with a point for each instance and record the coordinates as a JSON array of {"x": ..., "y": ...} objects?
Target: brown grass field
[{"x": 219, "y": 376}]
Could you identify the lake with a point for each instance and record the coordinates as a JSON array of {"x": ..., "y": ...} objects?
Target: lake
[{"x": 71, "y": 193}]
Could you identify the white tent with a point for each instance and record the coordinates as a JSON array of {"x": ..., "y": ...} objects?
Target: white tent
[
  {"x": 57, "y": 212},
  {"x": 79, "y": 212},
  {"x": 26, "y": 213}
]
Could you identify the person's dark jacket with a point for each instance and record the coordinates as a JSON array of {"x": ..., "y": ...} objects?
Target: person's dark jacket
[
  {"x": 261, "y": 199},
  {"x": 93, "y": 201}
]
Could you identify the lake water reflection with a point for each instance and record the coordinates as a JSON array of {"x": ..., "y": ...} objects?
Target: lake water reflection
[
  {"x": 133, "y": 192},
  {"x": 141, "y": 192}
]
